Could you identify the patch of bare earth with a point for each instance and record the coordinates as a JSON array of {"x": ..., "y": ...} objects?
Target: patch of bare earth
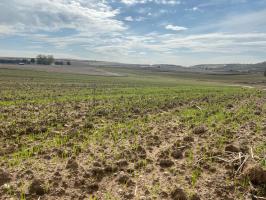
[{"x": 170, "y": 160}]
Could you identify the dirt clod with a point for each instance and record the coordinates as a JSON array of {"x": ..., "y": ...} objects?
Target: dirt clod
[
  {"x": 257, "y": 112},
  {"x": 177, "y": 154},
  {"x": 178, "y": 194},
  {"x": 232, "y": 148},
  {"x": 256, "y": 174},
  {"x": 4, "y": 177},
  {"x": 122, "y": 163},
  {"x": 199, "y": 130},
  {"x": 97, "y": 172},
  {"x": 92, "y": 188},
  {"x": 164, "y": 163},
  {"x": 195, "y": 197},
  {"x": 72, "y": 164},
  {"x": 123, "y": 178},
  {"x": 188, "y": 139},
  {"x": 37, "y": 187}
]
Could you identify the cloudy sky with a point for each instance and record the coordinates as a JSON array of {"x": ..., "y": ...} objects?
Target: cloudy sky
[{"x": 183, "y": 32}]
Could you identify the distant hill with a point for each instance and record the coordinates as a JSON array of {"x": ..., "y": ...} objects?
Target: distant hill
[
  {"x": 116, "y": 69},
  {"x": 231, "y": 68}
]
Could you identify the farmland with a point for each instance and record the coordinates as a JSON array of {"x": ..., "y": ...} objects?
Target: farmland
[{"x": 143, "y": 135}]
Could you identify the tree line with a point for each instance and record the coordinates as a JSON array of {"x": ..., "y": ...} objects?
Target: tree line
[{"x": 40, "y": 60}]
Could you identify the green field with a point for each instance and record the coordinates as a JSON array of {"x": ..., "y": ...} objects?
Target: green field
[{"x": 140, "y": 136}]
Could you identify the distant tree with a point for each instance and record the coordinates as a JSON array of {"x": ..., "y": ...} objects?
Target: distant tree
[
  {"x": 59, "y": 63},
  {"x": 10, "y": 61},
  {"x": 41, "y": 59},
  {"x": 32, "y": 60},
  {"x": 50, "y": 59},
  {"x": 68, "y": 63},
  {"x": 265, "y": 72},
  {"x": 45, "y": 60}
]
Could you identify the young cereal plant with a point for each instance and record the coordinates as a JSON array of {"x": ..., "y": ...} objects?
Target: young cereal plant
[
  {"x": 77, "y": 150},
  {"x": 244, "y": 182},
  {"x": 135, "y": 144},
  {"x": 22, "y": 196},
  {"x": 93, "y": 198},
  {"x": 22, "y": 193},
  {"x": 115, "y": 136},
  {"x": 142, "y": 164},
  {"x": 109, "y": 196},
  {"x": 263, "y": 163},
  {"x": 9, "y": 189},
  {"x": 190, "y": 157},
  {"x": 155, "y": 190},
  {"x": 220, "y": 141},
  {"x": 13, "y": 161},
  {"x": 195, "y": 176}
]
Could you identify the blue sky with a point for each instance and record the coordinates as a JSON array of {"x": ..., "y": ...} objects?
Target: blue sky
[{"x": 185, "y": 32}]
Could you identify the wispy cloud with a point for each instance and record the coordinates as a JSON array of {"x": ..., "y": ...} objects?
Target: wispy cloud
[
  {"x": 175, "y": 28},
  {"x": 47, "y": 15},
  {"x": 163, "y": 2},
  {"x": 131, "y": 19},
  {"x": 195, "y": 8}
]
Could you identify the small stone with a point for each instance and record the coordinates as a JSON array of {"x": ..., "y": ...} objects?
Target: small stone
[
  {"x": 7, "y": 187},
  {"x": 166, "y": 174}
]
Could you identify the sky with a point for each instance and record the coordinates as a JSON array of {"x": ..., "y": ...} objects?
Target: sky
[{"x": 182, "y": 32}]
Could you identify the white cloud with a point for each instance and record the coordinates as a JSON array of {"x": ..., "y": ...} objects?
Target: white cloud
[
  {"x": 162, "y": 2},
  {"x": 209, "y": 3},
  {"x": 5, "y": 30},
  {"x": 175, "y": 28},
  {"x": 49, "y": 15},
  {"x": 129, "y": 19},
  {"x": 195, "y": 8},
  {"x": 248, "y": 22}
]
